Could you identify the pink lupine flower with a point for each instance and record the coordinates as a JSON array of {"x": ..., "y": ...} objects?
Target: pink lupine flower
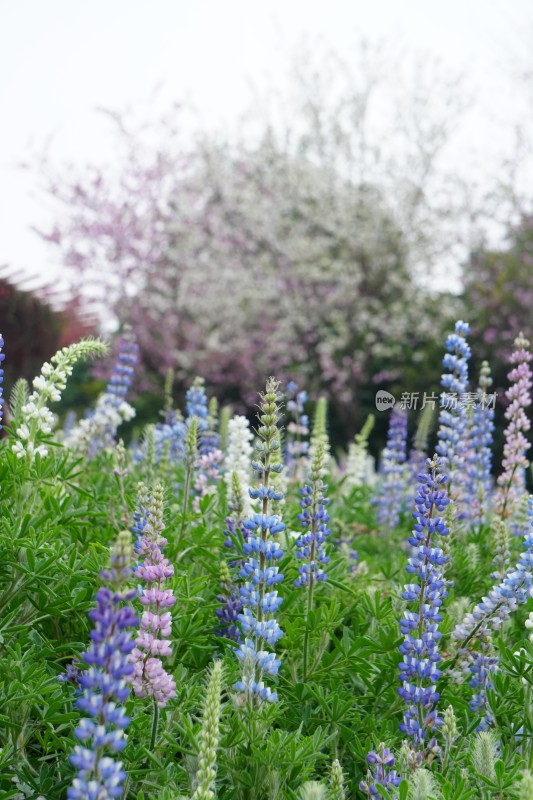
[{"x": 152, "y": 643}]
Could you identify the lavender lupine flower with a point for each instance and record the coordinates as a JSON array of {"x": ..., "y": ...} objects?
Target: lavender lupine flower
[
  {"x": 420, "y": 626},
  {"x": 393, "y": 486},
  {"x": 479, "y": 457},
  {"x": 152, "y": 642},
  {"x": 105, "y": 684},
  {"x": 207, "y": 475},
  {"x": 259, "y": 597},
  {"x": 98, "y": 431},
  {"x": 297, "y": 444},
  {"x": 315, "y": 518},
  {"x": 380, "y": 772},
  {"x": 488, "y": 616},
  {"x": 510, "y": 482},
  {"x": 453, "y": 417}
]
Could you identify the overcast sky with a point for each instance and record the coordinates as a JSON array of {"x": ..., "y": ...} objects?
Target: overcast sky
[{"x": 61, "y": 59}]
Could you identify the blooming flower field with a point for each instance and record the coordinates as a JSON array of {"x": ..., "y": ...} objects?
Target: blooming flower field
[{"x": 220, "y": 610}]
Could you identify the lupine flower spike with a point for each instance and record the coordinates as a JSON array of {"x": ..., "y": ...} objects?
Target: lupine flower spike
[
  {"x": 297, "y": 445},
  {"x": 96, "y": 433},
  {"x": 393, "y": 487},
  {"x": 310, "y": 545},
  {"x": 479, "y": 458},
  {"x": 453, "y": 418},
  {"x": 336, "y": 782},
  {"x": 105, "y": 684},
  {"x": 489, "y": 615},
  {"x": 153, "y": 642},
  {"x": 259, "y": 597},
  {"x": 209, "y": 737},
  {"x": 515, "y": 462},
  {"x": 420, "y": 626},
  {"x": 381, "y": 772},
  {"x": 238, "y": 457},
  {"x": 359, "y": 469},
  {"x": 38, "y": 419}
]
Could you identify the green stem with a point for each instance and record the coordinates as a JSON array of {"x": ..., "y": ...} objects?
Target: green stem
[
  {"x": 155, "y": 723},
  {"x": 185, "y": 504},
  {"x": 308, "y": 614}
]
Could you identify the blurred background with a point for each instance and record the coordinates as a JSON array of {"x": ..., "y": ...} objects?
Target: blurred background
[{"x": 314, "y": 190}]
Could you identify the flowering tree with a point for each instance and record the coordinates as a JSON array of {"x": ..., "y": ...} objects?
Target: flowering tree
[{"x": 290, "y": 251}]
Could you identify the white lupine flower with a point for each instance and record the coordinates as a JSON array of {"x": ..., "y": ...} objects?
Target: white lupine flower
[
  {"x": 19, "y": 450},
  {"x": 239, "y": 455},
  {"x": 23, "y": 431},
  {"x": 38, "y": 419}
]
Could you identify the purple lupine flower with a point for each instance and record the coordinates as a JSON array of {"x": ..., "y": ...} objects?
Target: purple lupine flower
[
  {"x": 453, "y": 417},
  {"x": 207, "y": 475},
  {"x": 488, "y": 616},
  {"x": 314, "y": 516},
  {"x": 104, "y": 685},
  {"x": 393, "y": 485},
  {"x": 231, "y": 606},
  {"x": 258, "y": 594},
  {"x": 297, "y": 444},
  {"x": 152, "y": 642},
  {"x": 380, "y": 772},
  {"x": 511, "y": 481},
  {"x": 479, "y": 456},
  {"x": 420, "y": 626}
]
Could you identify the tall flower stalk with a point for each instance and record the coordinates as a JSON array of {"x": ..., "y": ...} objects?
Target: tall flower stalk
[
  {"x": 297, "y": 444},
  {"x": 38, "y": 421},
  {"x": 259, "y": 597},
  {"x": 96, "y": 433},
  {"x": 310, "y": 545},
  {"x": 474, "y": 634},
  {"x": 209, "y": 737},
  {"x": 420, "y": 626},
  {"x": 105, "y": 684},
  {"x": 510, "y": 482},
  {"x": 153, "y": 642},
  {"x": 479, "y": 458},
  {"x": 393, "y": 486},
  {"x": 453, "y": 417}
]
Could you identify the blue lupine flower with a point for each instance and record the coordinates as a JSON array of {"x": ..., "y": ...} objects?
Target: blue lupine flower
[
  {"x": 260, "y": 599},
  {"x": 489, "y": 615},
  {"x": 228, "y": 613},
  {"x": 394, "y": 472},
  {"x": 479, "y": 461},
  {"x": 418, "y": 670},
  {"x": 297, "y": 445},
  {"x": 104, "y": 685},
  {"x": 315, "y": 518},
  {"x": 380, "y": 772},
  {"x": 453, "y": 417}
]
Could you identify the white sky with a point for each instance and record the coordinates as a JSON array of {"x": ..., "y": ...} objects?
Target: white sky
[{"x": 61, "y": 59}]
